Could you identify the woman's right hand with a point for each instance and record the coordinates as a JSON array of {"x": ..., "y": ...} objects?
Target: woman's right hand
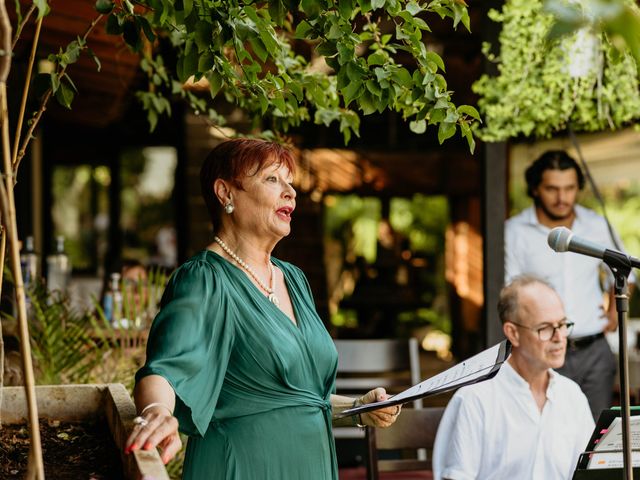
[{"x": 157, "y": 428}]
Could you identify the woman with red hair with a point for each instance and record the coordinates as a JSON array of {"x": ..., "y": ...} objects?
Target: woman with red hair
[{"x": 238, "y": 358}]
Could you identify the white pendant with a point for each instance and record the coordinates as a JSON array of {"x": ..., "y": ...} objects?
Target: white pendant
[{"x": 273, "y": 299}]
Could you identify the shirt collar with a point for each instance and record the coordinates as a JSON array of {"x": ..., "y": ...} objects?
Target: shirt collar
[
  {"x": 514, "y": 377},
  {"x": 530, "y": 216}
]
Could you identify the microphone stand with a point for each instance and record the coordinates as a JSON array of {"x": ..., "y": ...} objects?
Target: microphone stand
[{"x": 620, "y": 265}]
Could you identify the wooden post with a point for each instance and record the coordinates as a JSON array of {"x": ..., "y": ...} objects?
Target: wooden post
[
  {"x": 494, "y": 211},
  {"x": 8, "y": 214}
]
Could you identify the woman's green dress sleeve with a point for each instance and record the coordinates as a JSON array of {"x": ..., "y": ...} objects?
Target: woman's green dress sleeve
[{"x": 190, "y": 342}]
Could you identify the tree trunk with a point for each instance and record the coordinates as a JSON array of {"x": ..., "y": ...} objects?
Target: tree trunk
[{"x": 8, "y": 212}]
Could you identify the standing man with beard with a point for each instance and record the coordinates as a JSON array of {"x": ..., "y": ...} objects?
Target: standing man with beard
[{"x": 583, "y": 283}]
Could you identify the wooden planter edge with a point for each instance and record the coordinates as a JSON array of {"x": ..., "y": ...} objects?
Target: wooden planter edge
[{"x": 79, "y": 402}]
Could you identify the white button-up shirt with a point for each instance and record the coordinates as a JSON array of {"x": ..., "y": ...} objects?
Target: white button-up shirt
[
  {"x": 494, "y": 430},
  {"x": 576, "y": 278}
]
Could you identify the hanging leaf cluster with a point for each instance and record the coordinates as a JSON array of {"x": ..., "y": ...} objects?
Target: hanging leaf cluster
[
  {"x": 326, "y": 61},
  {"x": 556, "y": 71}
]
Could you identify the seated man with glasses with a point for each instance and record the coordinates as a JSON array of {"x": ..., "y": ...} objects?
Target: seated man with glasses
[{"x": 528, "y": 422}]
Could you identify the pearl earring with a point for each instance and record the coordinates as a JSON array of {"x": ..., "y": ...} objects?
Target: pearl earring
[{"x": 229, "y": 208}]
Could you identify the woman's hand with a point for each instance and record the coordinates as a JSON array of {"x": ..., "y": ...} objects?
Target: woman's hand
[
  {"x": 384, "y": 417},
  {"x": 157, "y": 428}
]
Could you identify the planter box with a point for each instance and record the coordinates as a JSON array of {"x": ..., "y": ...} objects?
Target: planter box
[{"x": 75, "y": 403}]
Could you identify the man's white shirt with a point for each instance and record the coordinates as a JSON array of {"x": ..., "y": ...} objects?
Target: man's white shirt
[
  {"x": 494, "y": 430},
  {"x": 576, "y": 278}
]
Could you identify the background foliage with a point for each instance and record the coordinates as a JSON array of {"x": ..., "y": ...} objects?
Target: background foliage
[{"x": 546, "y": 83}]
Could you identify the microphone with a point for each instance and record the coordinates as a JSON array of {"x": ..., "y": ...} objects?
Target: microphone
[{"x": 561, "y": 239}]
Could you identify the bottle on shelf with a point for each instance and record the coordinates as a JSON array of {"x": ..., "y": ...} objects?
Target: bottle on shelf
[
  {"x": 29, "y": 263},
  {"x": 113, "y": 301},
  {"x": 58, "y": 269}
]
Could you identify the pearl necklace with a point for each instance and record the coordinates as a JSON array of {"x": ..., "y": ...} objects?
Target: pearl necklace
[{"x": 270, "y": 290}]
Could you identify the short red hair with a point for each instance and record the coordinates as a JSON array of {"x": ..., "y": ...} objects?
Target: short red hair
[{"x": 237, "y": 158}]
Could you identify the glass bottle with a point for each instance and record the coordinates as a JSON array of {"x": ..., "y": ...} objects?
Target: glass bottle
[
  {"x": 29, "y": 263},
  {"x": 58, "y": 269},
  {"x": 114, "y": 298}
]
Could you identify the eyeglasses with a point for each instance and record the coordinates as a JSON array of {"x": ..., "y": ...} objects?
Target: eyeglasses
[{"x": 546, "y": 332}]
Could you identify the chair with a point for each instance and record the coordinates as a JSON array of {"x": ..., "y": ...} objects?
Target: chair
[
  {"x": 415, "y": 429},
  {"x": 366, "y": 364}
]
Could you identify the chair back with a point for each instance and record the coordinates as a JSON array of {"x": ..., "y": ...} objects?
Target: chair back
[
  {"x": 414, "y": 431},
  {"x": 366, "y": 364}
]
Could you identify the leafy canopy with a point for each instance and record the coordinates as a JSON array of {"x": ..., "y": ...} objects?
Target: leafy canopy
[{"x": 326, "y": 61}]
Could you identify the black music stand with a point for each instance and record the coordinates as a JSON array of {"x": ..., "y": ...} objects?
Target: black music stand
[
  {"x": 581, "y": 472},
  {"x": 620, "y": 265}
]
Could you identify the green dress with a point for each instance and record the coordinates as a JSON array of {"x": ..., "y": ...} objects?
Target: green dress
[{"x": 252, "y": 388}]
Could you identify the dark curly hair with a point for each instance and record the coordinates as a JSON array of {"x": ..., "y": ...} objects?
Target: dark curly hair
[{"x": 551, "y": 160}]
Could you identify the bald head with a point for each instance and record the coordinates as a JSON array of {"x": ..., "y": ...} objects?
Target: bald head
[
  {"x": 519, "y": 294},
  {"x": 534, "y": 322}
]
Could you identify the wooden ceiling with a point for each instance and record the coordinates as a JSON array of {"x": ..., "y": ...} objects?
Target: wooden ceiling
[
  {"x": 102, "y": 96},
  {"x": 377, "y": 173}
]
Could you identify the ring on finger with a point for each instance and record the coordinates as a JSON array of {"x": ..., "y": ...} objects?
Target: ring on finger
[
  {"x": 143, "y": 422},
  {"x": 397, "y": 412}
]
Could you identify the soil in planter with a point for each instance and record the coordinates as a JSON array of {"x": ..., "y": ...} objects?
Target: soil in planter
[{"x": 71, "y": 451}]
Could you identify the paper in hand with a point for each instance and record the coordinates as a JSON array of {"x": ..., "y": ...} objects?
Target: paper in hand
[{"x": 478, "y": 368}]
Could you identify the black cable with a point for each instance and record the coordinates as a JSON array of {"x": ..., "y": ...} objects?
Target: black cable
[{"x": 594, "y": 187}]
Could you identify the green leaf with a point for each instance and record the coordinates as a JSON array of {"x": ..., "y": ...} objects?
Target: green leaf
[
  {"x": 113, "y": 26},
  {"x": 311, "y": 8},
  {"x": 215, "y": 82},
  {"x": 144, "y": 24},
  {"x": 345, "y": 53},
  {"x": 403, "y": 77},
  {"x": 436, "y": 116},
  {"x": 466, "y": 133},
  {"x": 55, "y": 82},
  {"x": 71, "y": 84},
  {"x": 446, "y": 130},
  {"x": 377, "y": 58},
  {"x": 203, "y": 35},
  {"x": 187, "y": 65},
  {"x": 258, "y": 48},
  {"x": 188, "y": 7},
  {"x": 413, "y": 8},
  {"x": 368, "y": 103},
  {"x": 152, "y": 118},
  {"x": 303, "y": 29},
  {"x": 206, "y": 61},
  {"x": 437, "y": 59},
  {"x": 374, "y": 88},
  {"x": 131, "y": 35},
  {"x": 277, "y": 11},
  {"x": 43, "y": 7},
  {"x": 65, "y": 95},
  {"x": 375, "y": 4},
  {"x": 345, "y": 8},
  {"x": 104, "y": 6},
  {"x": 351, "y": 92},
  {"x": 72, "y": 52},
  {"x": 418, "y": 126},
  {"x": 469, "y": 110},
  {"x": 327, "y": 49},
  {"x": 279, "y": 103}
]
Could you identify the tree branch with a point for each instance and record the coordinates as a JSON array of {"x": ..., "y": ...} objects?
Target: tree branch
[
  {"x": 25, "y": 19},
  {"x": 25, "y": 94},
  {"x": 43, "y": 105},
  {"x": 5, "y": 42}
]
